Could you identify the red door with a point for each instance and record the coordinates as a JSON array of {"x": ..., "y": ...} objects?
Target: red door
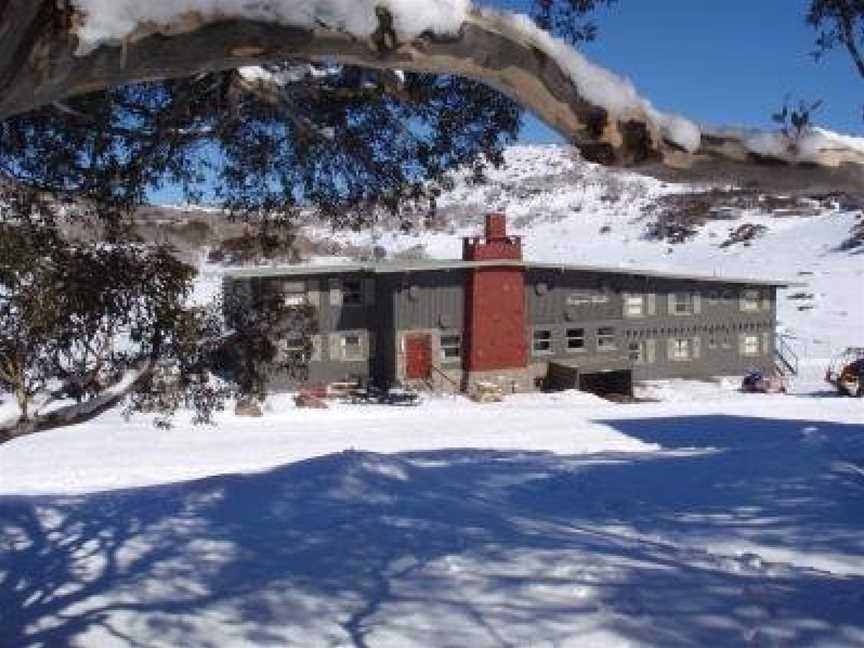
[{"x": 418, "y": 357}]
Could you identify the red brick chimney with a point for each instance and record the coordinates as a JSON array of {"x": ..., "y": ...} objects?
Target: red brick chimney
[
  {"x": 495, "y": 333},
  {"x": 496, "y": 245}
]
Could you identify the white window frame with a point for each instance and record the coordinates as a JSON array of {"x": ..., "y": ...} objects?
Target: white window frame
[
  {"x": 294, "y": 293},
  {"x": 360, "y": 354},
  {"x": 545, "y": 340},
  {"x": 681, "y": 298},
  {"x": 749, "y": 345},
  {"x": 681, "y": 349},
  {"x": 571, "y": 335},
  {"x": 339, "y": 346},
  {"x": 606, "y": 338},
  {"x": 634, "y": 305},
  {"x": 445, "y": 347}
]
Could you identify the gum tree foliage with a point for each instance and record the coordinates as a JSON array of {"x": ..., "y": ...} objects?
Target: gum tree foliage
[
  {"x": 352, "y": 143},
  {"x": 77, "y": 317},
  {"x": 840, "y": 24}
]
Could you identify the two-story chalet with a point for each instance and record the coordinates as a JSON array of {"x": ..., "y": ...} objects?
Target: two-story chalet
[{"x": 494, "y": 317}]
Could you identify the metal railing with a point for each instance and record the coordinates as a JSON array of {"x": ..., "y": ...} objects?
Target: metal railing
[{"x": 787, "y": 358}]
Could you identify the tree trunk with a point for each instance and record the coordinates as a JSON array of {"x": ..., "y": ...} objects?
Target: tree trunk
[
  {"x": 38, "y": 65},
  {"x": 80, "y": 412}
]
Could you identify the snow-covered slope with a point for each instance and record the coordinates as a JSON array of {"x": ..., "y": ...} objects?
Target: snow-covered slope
[{"x": 574, "y": 212}]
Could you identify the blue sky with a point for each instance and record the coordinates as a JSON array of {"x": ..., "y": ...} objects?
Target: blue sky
[{"x": 729, "y": 62}]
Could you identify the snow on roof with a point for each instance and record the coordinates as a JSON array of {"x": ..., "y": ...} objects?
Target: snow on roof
[{"x": 424, "y": 265}]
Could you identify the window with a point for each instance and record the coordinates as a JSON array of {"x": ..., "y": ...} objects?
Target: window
[
  {"x": 295, "y": 344},
  {"x": 352, "y": 292},
  {"x": 576, "y": 339},
  {"x": 750, "y": 301},
  {"x": 680, "y": 304},
  {"x": 451, "y": 347},
  {"x": 294, "y": 293},
  {"x": 606, "y": 338},
  {"x": 352, "y": 347},
  {"x": 750, "y": 345},
  {"x": 680, "y": 349},
  {"x": 642, "y": 352},
  {"x": 542, "y": 341},
  {"x": 634, "y": 305}
]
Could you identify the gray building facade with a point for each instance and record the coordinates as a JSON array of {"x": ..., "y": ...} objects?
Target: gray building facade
[{"x": 599, "y": 329}]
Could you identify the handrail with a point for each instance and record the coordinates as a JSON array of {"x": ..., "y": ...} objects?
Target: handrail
[
  {"x": 441, "y": 373},
  {"x": 784, "y": 352}
]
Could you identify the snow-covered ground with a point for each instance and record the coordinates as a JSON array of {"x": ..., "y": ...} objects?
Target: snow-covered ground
[
  {"x": 709, "y": 518},
  {"x": 701, "y": 516}
]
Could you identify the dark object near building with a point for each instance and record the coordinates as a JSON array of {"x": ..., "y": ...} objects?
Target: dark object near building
[
  {"x": 494, "y": 318},
  {"x": 760, "y": 382},
  {"x": 846, "y": 372}
]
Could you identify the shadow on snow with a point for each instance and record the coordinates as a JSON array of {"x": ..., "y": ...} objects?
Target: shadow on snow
[{"x": 462, "y": 547}]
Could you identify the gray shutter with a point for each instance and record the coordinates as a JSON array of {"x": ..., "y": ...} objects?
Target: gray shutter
[
  {"x": 766, "y": 343},
  {"x": 766, "y": 299},
  {"x": 316, "y": 348},
  {"x": 652, "y": 304},
  {"x": 313, "y": 292},
  {"x": 625, "y": 298},
  {"x": 369, "y": 292},
  {"x": 650, "y": 351},
  {"x": 669, "y": 299},
  {"x": 335, "y": 292},
  {"x": 697, "y": 347},
  {"x": 335, "y": 347},
  {"x": 364, "y": 345},
  {"x": 741, "y": 344},
  {"x": 697, "y": 304},
  {"x": 670, "y": 349}
]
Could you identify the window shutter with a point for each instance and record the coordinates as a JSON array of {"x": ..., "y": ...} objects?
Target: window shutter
[
  {"x": 369, "y": 292},
  {"x": 313, "y": 293},
  {"x": 625, "y": 304},
  {"x": 766, "y": 299},
  {"x": 697, "y": 303},
  {"x": 697, "y": 347},
  {"x": 335, "y": 346},
  {"x": 335, "y": 292},
  {"x": 364, "y": 345},
  {"x": 316, "y": 348},
  {"x": 651, "y": 298},
  {"x": 650, "y": 351},
  {"x": 670, "y": 303},
  {"x": 766, "y": 343},
  {"x": 670, "y": 349},
  {"x": 742, "y": 344}
]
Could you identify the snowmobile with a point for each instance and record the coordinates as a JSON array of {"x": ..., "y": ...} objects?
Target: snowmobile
[
  {"x": 846, "y": 372},
  {"x": 760, "y": 382}
]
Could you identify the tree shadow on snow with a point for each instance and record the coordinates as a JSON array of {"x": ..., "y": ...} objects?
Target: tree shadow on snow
[{"x": 461, "y": 547}]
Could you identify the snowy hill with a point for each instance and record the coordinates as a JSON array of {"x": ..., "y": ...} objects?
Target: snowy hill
[{"x": 571, "y": 211}]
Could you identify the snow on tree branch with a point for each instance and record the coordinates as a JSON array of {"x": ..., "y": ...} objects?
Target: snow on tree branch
[{"x": 598, "y": 111}]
